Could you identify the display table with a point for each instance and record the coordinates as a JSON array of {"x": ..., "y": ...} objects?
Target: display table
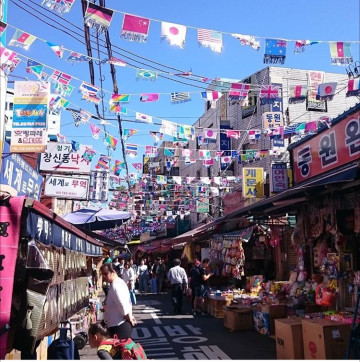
[{"x": 215, "y": 305}]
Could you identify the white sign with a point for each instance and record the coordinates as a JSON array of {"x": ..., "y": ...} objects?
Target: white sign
[
  {"x": 28, "y": 140},
  {"x": 67, "y": 187},
  {"x": 59, "y": 157}
]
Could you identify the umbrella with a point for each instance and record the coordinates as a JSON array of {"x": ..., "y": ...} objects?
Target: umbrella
[{"x": 97, "y": 219}]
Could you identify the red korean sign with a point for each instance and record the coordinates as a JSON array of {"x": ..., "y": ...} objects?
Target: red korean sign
[{"x": 332, "y": 148}]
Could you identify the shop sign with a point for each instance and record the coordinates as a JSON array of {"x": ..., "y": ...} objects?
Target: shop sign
[
  {"x": 253, "y": 182},
  {"x": 30, "y": 105},
  {"x": 49, "y": 233},
  {"x": 272, "y": 120},
  {"x": 202, "y": 206},
  {"x": 250, "y": 108},
  {"x": 59, "y": 157},
  {"x": 332, "y": 148},
  {"x": 232, "y": 202},
  {"x": 312, "y": 104},
  {"x": 67, "y": 187},
  {"x": 277, "y": 105},
  {"x": 28, "y": 140},
  {"x": 279, "y": 178},
  {"x": 18, "y": 177},
  {"x": 99, "y": 186},
  {"x": 10, "y": 225}
]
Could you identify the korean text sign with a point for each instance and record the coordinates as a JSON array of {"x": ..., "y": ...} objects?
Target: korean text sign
[
  {"x": 279, "y": 177},
  {"x": 59, "y": 157},
  {"x": 332, "y": 148},
  {"x": 67, "y": 186},
  {"x": 30, "y": 105},
  {"x": 253, "y": 182},
  {"x": 17, "y": 174}
]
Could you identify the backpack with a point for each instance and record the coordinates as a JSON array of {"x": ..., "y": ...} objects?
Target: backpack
[{"x": 126, "y": 348}]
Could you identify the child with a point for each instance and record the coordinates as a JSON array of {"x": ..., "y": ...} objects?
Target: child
[{"x": 113, "y": 348}]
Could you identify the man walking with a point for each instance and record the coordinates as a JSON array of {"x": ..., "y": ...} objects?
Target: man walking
[{"x": 178, "y": 279}]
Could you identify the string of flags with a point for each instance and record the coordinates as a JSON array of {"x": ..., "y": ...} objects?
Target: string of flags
[{"x": 136, "y": 28}]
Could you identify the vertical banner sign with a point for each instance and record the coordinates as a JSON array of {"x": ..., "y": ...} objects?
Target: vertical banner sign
[
  {"x": 314, "y": 79},
  {"x": 10, "y": 223},
  {"x": 223, "y": 109},
  {"x": 279, "y": 177},
  {"x": 29, "y": 126},
  {"x": 277, "y": 105},
  {"x": 202, "y": 206},
  {"x": 253, "y": 182},
  {"x": 99, "y": 186},
  {"x": 250, "y": 109},
  {"x": 225, "y": 145}
]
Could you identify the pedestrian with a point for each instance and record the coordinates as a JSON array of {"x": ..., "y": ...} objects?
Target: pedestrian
[
  {"x": 117, "y": 304},
  {"x": 120, "y": 267},
  {"x": 116, "y": 262},
  {"x": 195, "y": 280},
  {"x": 129, "y": 278},
  {"x": 178, "y": 280},
  {"x": 135, "y": 268},
  {"x": 94, "y": 276},
  {"x": 201, "y": 288},
  {"x": 160, "y": 275},
  {"x": 143, "y": 277}
]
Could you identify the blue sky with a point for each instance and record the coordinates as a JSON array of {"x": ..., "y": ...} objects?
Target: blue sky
[{"x": 325, "y": 20}]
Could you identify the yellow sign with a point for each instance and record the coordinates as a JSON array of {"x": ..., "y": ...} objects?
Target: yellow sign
[{"x": 253, "y": 182}]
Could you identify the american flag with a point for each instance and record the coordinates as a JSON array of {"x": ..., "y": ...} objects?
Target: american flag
[
  {"x": 205, "y": 35},
  {"x": 180, "y": 97},
  {"x": 61, "y": 77}
]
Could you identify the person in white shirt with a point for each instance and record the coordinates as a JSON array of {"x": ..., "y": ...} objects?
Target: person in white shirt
[
  {"x": 178, "y": 279},
  {"x": 117, "y": 304},
  {"x": 129, "y": 277},
  {"x": 143, "y": 276}
]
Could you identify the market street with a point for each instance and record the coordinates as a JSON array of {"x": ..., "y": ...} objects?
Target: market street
[{"x": 167, "y": 336}]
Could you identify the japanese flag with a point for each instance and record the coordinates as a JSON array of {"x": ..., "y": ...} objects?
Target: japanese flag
[
  {"x": 174, "y": 33},
  {"x": 209, "y": 134},
  {"x": 143, "y": 117},
  {"x": 326, "y": 90},
  {"x": 226, "y": 159}
]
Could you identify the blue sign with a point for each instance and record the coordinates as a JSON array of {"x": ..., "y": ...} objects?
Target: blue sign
[
  {"x": 19, "y": 175},
  {"x": 225, "y": 145},
  {"x": 30, "y": 116},
  {"x": 277, "y": 105},
  {"x": 278, "y": 142}
]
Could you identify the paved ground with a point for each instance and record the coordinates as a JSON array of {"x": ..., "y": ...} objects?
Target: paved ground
[{"x": 167, "y": 336}]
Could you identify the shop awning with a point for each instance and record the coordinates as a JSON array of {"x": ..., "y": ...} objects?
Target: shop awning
[{"x": 299, "y": 193}]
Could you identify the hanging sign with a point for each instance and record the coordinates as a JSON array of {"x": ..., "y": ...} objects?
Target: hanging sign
[
  {"x": 253, "y": 182},
  {"x": 202, "y": 206},
  {"x": 60, "y": 157},
  {"x": 279, "y": 178},
  {"x": 28, "y": 140},
  {"x": 314, "y": 79},
  {"x": 67, "y": 187}
]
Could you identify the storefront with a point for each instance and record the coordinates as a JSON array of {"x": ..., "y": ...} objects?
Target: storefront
[{"x": 44, "y": 277}]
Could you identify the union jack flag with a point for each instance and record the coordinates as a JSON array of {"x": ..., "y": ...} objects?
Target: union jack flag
[
  {"x": 269, "y": 91},
  {"x": 60, "y": 77}
]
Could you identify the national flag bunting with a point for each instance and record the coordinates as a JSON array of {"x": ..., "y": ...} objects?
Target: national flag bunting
[
  {"x": 120, "y": 98},
  {"x": 169, "y": 128},
  {"x": 116, "y": 61},
  {"x": 98, "y": 17},
  {"x": 174, "y": 33},
  {"x": 211, "y": 95},
  {"x": 138, "y": 166},
  {"x": 239, "y": 91},
  {"x": 61, "y": 6},
  {"x": 58, "y": 50},
  {"x": 88, "y": 154},
  {"x": 60, "y": 77},
  {"x": 157, "y": 136},
  {"x": 340, "y": 53},
  {"x": 149, "y": 97},
  {"x": 77, "y": 57},
  {"x": 103, "y": 162},
  {"x": 268, "y": 94},
  {"x": 233, "y": 134},
  {"x": 34, "y": 67},
  {"x": 254, "y": 134},
  {"x": 95, "y": 131},
  {"x": 111, "y": 141},
  {"x": 301, "y": 44},
  {"x": 8, "y": 59},
  {"x": 180, "y": 97},
  {"x": 275, "y": 51},
  {"x": 209, "y": 135},
  {"x": 187, "y": 132},
  {"x": 211, "y": 39},
  {"x": 186, "y": 152},
  {"x": 353, "y": 87},
  {"x": 170, "y": 152},
  {"x": 62, "y": 89},
  {"x": 151, "y": 151},
  {"x": 91, "y": 98},
  {"x": 146, "y": 74},
  {"x": 204, "y": 154},
  {"x": 143, "y": 117},
  {"x": 208, "y": 163},
  {"x": 135, "y": 28},
  {"x": 247, "y": 40},
  {"x": 88, "y": 88},
  {"x": 128, "y": 133},
  {"x": 131, "y": 149},
  {"x": 326, "y": 91},
  {"x": 161, "y": 179},
  {"x": 297, "y": 93},
  {"x": 22, "y": 40}
]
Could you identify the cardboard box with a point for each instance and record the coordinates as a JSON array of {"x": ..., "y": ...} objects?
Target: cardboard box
[
  {"x": 13, "y": 355},
  {"x": 264, "y": 316},
  {"x": 238, "y": 318},
  {"x": 288, "y": 337},
  {"x": 325, "y": 339}
]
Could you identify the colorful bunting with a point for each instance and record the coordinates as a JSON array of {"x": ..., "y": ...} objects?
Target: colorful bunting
[
  {"x": 180, "y": 97},
  {"x": 116, "y": 61},
  {"x": 112, "y": 141},
  {"x": 186, "y": 152},
  {"x": 120, "y": 98},
  {"x": 22, "y": 40},
  {"x": 187, "y": 132},
  {"x": 326, "y": 91},
  {"x": 8, "y": 59},
  {"x": 239, "y": 91},
  {"x": 298, "y": 93},
  {"x": 91, "y": 98},
  {"x": 131, "y": 149},
  {"x": 128, "y": 133},
  {"x": 170, "y": 152},
  {"x": 161, "y": 179},
  {"x": 209, "y": 135},
  {"x": 204, "y": 154},
  {"x": 169, "y": 128},
  {"x": 61, "y": 138},
  {"x": 88, "y": 88},
  {"x": 211, "y": 95},
  {"x": 98, "y": 17},
  {"x": 340, "y": 53},
  {"x": 146, "y": 74},
  {"x": 151, "y": 151},
  {"x": 143, "y": 117},
  {"x": 77, "y": 57},
  {"x": 177, "y": 179},
  {"x": 135, "y": 28},
  {"x": 254, "y": 134},
  {"x": 60, "y": 77},
  {"x": 61, "y": 6},
  {"x": 174, "y": 33},
  {"x": 95, "y": 131},
  {"x": 233, "y": 134},
  {"x": 3, "y": 27},
  {"x": 301, "y": 44},
  {"x": 103, "y": 162},
  {"x": 268, "y": 94},
  {"x": 247, "y": 40},
  {"x": 157, "y": 136},
  {"x": 211, "y": 39},
  {"x": 208, "y": 163},
  {"x": 275, "y": 51},
  {"x": 118, "y": 109},
  {"x": 34, "y": 67},
  {"x": 149, "y": 97},
  {"x": 137, "y": 166},
  {"x": 58, "y": 50},
  {"x": 225, "y": 160},
  {"x": 353, "y": 87},
  {"x": 63, "y": 89}
]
